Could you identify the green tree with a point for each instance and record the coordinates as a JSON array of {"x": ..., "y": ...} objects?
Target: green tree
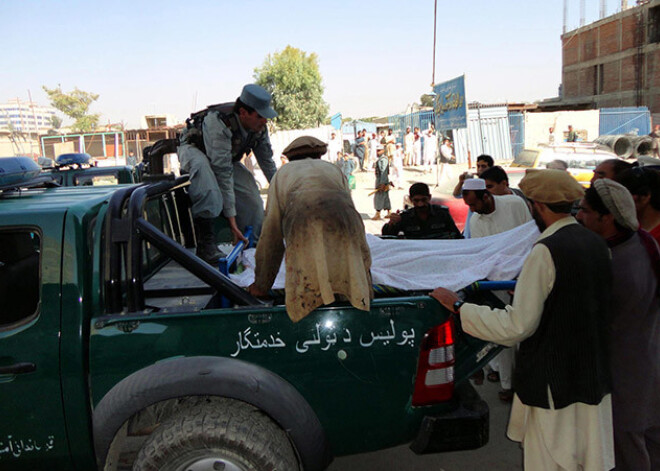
[
  {"x": 55, "y": 122},
  {"x": 293, "y": 78},
  {"x": 75, "y": 105},
  {"x": 426, "y": 100}
]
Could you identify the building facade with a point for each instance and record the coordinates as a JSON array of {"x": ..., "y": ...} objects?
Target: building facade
[
  {"x": 614, "y": 62},
  {"x": 25, "y": 117}
]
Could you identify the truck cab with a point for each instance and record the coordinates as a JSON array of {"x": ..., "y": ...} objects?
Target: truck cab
[{"x": 77, "y": 170}]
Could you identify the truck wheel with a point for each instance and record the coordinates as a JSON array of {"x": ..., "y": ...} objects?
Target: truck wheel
[{"x": 223, "y": 434}]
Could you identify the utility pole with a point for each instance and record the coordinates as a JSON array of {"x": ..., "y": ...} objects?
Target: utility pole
[
  {"x": 435, "y": 22},
  {"x": 34, "y": 117}
]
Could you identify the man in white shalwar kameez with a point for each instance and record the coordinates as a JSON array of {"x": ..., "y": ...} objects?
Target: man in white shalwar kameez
[{"x": 562, "y": 407}]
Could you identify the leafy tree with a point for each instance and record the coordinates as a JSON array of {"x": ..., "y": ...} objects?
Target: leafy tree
[
  {"x": 75, "y": 105},
  {"x": 55, "y": 122},
  {"x": 293, "y": 78},
  {"x": 426, "y": 100}
]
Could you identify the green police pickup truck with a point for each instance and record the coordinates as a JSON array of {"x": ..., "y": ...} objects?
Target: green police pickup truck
[
  {"x": 120, "y": 349},
  {"x": 77, "y": 170}
]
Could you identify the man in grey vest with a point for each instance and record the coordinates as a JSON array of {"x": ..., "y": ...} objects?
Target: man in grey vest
[
  {"x": 219, "y": 182},
  {"x": 608, "y": 209},
  {"x": 562, "y": 407}
]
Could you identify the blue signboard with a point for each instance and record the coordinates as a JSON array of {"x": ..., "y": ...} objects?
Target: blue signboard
[
  {"x": 335, "y": 121},
  {"x": 449, "y": 104}
]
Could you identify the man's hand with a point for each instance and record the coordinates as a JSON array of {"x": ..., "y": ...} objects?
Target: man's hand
[
  {"x": 458, "y": 189},
  {"x": 256, "y": 292},
  {"x": 445, "y": 297},
  {"x": 236, "y": 233},
  {"x": 395, "y": 218}
]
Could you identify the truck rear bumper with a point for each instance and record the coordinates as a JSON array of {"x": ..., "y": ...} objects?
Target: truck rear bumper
[{"x": 465, "y": 428}]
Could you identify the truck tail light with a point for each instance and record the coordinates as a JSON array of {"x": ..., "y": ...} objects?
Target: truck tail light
[{"x": 435, "y": 371}]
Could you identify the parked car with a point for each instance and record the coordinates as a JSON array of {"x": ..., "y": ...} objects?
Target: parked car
[
  {"x": 581, "y": 158},
  {"x": 123, "y": 350}
]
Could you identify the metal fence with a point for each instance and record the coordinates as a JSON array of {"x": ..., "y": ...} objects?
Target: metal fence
[
  {"x": 630, "y": 120},
  {"x": 488, "y": 132},
  {"x": 419, "y": 119},
  {"x": 517, "y": 132}
]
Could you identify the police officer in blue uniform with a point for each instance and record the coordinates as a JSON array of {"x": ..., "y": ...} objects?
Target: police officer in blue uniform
[{"x": 219, "y": 182}]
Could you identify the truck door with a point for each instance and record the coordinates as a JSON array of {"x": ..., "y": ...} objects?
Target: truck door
[{"x": 32, "y": 429}]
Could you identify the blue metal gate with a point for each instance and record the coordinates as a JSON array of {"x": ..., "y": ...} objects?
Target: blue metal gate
[{"x": 630, "y": 120}]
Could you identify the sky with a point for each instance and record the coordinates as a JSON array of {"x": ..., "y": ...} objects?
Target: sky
[{"x": 376, "y": 57}]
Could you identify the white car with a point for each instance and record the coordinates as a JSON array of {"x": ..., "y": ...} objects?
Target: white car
[{"x": 581, "y": 158}]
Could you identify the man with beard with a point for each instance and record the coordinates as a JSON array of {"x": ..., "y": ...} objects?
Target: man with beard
[
  {"x": 492, "y": 214},
  {"x": 562, "y": 408},
  {"x": 608, "y": 209},
  {"x": 483, "y": 162},
  {"x": 310, "y": 208},
  {"x": 423, "y": 220}
]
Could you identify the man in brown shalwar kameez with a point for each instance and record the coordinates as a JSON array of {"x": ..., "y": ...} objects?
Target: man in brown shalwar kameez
[{"x": 310, "y": 207}]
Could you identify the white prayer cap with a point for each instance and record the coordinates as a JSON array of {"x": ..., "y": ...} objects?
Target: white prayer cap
[{"x": 474, "y": 184}]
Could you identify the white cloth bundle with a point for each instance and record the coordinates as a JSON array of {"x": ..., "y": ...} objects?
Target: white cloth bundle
[{"x": 427, "y": 264}]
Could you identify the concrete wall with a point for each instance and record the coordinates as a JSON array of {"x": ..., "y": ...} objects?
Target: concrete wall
[
  {"x": 280, "y": 139},
  {"x": 25, "y": 146},
  {"x": 585, "y": 123}
]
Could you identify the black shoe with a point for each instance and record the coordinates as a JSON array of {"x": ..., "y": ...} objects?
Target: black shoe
[
  {"x": 209, "y": 253},
  {"x": 207, "y": 248}
]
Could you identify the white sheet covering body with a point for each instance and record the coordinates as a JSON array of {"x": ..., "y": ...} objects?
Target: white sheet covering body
[{"x": 427, "y": 264}]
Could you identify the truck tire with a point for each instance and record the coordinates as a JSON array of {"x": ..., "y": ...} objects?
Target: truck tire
[{"x": 222, "y": 434}]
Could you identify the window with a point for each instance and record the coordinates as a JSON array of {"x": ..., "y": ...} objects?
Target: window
[
  {"x": 654, "y": 24},
  {"x": 97, "y": 180},
  {"x": 19, "y": 276},
  {"x": 598, "y": 79}
]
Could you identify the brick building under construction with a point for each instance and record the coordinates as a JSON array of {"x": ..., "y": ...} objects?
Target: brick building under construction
[{"x": 615, "y": 61}]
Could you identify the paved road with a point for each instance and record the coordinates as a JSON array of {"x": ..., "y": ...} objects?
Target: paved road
[{"x": 500, "y": 454}]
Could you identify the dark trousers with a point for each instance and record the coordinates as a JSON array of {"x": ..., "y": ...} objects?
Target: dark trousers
[{"x": 637, "y": 451}]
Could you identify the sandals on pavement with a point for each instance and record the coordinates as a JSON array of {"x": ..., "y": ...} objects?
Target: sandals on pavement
[
  {"x": 478, "y": 377},
  {"x": 493, "y": 377},
  {"x": 506, "y": 395}
]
